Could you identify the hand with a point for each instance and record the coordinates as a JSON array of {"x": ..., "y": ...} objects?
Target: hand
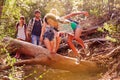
[
  {"x": 86, "y": 13},
  {"x": 41, "y": 39},
  {"x": 61, "y": 34},
  {"x": 28, "y": 37}
]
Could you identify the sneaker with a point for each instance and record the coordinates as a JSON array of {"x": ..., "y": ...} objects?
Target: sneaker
[{"x": 78, "y": 59}]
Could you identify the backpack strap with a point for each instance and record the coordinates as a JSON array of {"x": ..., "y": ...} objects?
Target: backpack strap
[
  {"x": 41, "y": 20},
  {"x": 25, "y": 26},
  {"x": 17, "y": 25},
  {"x": 32, "y": 21}
]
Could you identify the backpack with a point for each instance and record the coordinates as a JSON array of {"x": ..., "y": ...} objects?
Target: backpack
[
  {"x": 41, "y": 21},
  {"x": 25, "y": 28}
]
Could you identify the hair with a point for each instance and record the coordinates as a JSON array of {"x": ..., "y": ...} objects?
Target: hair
[
  {"x": 22, "y": 17},
  {"x": 50, "y": 16},
  {"x": 37, "y": 11},
  {"x": 54, "y": 11}
]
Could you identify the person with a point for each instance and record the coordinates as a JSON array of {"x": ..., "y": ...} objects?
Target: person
[
  {"x": 50, "y": 32},
  {"x": 21, "y": 32},
  {"x": 34, "y": 28},
  {"x": 76, "y": 29}
]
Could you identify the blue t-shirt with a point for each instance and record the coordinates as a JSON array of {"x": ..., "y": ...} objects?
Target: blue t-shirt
[{"x": 37, "y": 28}]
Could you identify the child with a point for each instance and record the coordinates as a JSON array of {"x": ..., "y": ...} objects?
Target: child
[{"x": 21, "y": 32}]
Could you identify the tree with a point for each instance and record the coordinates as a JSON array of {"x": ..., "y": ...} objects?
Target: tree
[{"x": 110, "y": 5}]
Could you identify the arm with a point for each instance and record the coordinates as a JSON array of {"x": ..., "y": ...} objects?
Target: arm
[
  {"x": 26, "y": 32},
  {"x": 29, "y": 28},
  {"x": 42, "y": 31},
  {"x": 75, "y": 13}
]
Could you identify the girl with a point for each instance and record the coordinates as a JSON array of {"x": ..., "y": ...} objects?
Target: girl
[
  {"x": 76, "y": 29},
  {"x": 50, "y": 30},
  {"x": 21, "y": 32}
]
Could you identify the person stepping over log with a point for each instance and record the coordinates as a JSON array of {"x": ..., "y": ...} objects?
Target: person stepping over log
[
  {"x": 76, "y": 29},
  {"x": 49, "y": 33}
]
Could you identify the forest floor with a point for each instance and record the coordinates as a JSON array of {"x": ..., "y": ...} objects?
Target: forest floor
[{"x": 98, "y": 48}]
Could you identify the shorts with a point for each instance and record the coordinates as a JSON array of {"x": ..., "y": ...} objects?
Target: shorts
[
  {"x": 49, "y": 35},
  {"x": 78, "y": 26}
]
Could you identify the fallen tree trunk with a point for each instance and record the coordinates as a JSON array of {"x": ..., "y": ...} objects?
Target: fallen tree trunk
[
  {"x": 89, "y": 31},
  {"x": 42, "y": 56}
]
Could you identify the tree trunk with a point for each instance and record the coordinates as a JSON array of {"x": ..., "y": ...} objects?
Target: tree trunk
[
  {"x": 42, "y": 56},
  {"x": 110, "y": 5},
  {"x": 1, "y": 7}
]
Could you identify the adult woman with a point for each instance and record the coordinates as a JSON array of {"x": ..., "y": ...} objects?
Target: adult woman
[
  {"x": 21, "y": 32},
  {"x": 50, "y": 32},
  {"x": 76, "y": 29}
]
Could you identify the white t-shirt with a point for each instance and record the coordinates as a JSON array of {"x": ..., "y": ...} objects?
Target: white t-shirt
[{"x": 21, "y": 33}]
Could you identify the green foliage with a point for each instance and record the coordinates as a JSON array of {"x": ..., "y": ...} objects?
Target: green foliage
[
  {"x": 9, "y": 61},
  {"x": 15, "y": 72},
  {"x": 95, "y": 12},
  {"x": 108, "y": 27},
  {"x": 111, "y": 29},
  {"x": 100, "y": 29},
  {"x": 111, "y": 39},
  {"x": 13, "y": 9}
]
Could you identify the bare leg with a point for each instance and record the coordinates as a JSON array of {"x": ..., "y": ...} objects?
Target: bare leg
[
  {"x": 70, "y": 38},
  {"x": 58, "y": 40},
  {"x": 48, "y": 44},
  {"x": 77, "y": 37},
  {"x": 53, "y": 47}
]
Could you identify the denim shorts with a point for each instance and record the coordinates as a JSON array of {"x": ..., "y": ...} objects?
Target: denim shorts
[{"x": 49, "y": 35}]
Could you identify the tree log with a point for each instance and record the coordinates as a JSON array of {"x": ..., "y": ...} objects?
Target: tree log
[
  {"x": 89, "y": 31},
  {"x": 43, "y": 57}
]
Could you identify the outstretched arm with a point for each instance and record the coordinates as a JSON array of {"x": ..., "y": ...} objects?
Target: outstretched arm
[{"x": 75, "y": 13}]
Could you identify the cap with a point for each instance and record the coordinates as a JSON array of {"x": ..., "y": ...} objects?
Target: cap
[
  {"x": 37, "y": 11},
  {"x": 22, "y": 17}
]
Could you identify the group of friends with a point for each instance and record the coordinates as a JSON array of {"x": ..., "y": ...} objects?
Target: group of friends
[{"x": 46, "y": 30}]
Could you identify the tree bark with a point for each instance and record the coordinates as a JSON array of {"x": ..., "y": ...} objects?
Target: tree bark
[
  {"x": 43, "y": 57},
  {"x": 110, "y": 5},
  {"x": 1, "y": 6},
  {"x": 89, "y": 31}
]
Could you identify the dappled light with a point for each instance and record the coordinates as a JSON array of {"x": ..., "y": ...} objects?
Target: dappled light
[{"x": 59, "y": 39}]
